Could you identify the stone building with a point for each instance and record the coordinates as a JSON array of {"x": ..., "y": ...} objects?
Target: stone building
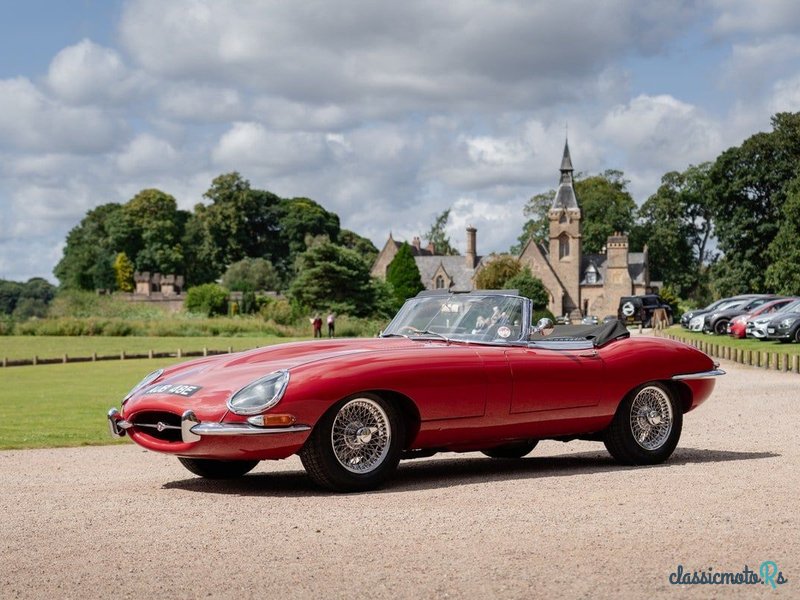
[
  {"x": 437, "y": 271},
  {"x": 578, "y": 284},
  {"x": 158, "y": 285}
]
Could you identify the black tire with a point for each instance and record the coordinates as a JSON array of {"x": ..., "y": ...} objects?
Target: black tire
[
  {"x": 721, "y": 327},
  {"x": 620, "y": 438},
  {"x": 340, "y": 453},
  {"x": 218, "y": 469},
  {"x": 515, "y": 450},
  {"x": 797, "y": 335}
]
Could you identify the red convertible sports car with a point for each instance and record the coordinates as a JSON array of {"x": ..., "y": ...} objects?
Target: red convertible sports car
[{"x": 451, "y": 372}]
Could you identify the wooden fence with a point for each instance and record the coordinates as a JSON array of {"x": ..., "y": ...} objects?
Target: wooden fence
[
  {"x": 764, "y": 359},
  {"x": 64, "y": 359}
]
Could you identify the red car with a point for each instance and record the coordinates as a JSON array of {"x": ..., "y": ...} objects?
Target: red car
[
  {"x": 738, "y": 325},
  {"x": 451, "y": 372}
]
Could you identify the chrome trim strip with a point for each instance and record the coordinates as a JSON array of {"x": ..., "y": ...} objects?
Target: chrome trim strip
[
  {"x": 703, "y": 375},
  {"x": 192, "y": 429},
  {"x": 243, "y": 429}
]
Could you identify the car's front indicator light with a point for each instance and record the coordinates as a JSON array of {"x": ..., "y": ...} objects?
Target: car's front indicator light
[
  {"x": 272, "y": 420},
  {"x": 260, "y": 395}
]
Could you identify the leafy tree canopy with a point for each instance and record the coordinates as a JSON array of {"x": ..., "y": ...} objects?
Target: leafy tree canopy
[
  {"x": 783, "y": 273},
  {"x": 494, "y": 275},
  {"x": 333, "y": 278},
  {"x": 359, "y": 244},
  {"x": 123, "y": 270},
  {"x": 403, "y": 276},
  {"x": 748, "y": 188},
  {"x": 530, "y": 287},
  {"x": 537, "y": 227},
  {"x": 250, "y": 275}
]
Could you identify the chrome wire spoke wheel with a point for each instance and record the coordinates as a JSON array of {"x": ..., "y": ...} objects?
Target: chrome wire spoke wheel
[
  {"x": 651, "y": 418},
  {"x": 361, "y": 435}
]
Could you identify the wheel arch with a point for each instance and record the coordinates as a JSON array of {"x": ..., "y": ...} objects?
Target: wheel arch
[
  {"x": 407, "y": 408},
  {"x": 682, "y": 392}
]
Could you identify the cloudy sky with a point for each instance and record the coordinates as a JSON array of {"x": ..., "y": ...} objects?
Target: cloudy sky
[{"x": 385, "y": 112}]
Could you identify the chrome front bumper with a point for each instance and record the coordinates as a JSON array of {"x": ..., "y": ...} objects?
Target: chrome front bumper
[
  {"x": 703, "y": 375},
  {"x": 192, "y": 429}
]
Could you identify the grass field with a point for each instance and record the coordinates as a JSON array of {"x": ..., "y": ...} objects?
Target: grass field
[
  {"x": 743, "y": 344},
  {"x": 65, "y": 405},
  {"x": 24, "y": 346}
]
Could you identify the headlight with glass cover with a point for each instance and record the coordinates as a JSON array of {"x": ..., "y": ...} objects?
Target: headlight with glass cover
[
  {"x": 148, "y": 379},
  {"x": 786, "y": 323},
  {"x": 260, "y": 395}
]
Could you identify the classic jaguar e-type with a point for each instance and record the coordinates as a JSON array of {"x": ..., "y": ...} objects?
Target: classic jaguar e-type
[{"x": 451, "y": 372}]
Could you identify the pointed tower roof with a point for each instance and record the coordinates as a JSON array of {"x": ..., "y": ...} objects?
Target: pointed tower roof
[{"x": 565, "y": 197}]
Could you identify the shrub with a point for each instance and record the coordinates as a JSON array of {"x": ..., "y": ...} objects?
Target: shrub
[
  {"x": 279, "y": 311},
  {"x": 208, "y": 299}
]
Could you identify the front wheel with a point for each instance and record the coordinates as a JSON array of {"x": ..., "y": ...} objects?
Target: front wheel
[
  {"x": 356, "y": 445},
  {"x": 515, "y": 450},
  {"x": 647, "y": 426},
  {"x": 721, "y": 327},
  {"x": 218, "y": 469}
]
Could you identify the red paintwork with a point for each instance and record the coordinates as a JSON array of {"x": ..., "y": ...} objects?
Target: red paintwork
[{"x": 459, "y": 396}]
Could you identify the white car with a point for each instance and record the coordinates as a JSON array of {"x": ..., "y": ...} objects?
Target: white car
[{"x": 696, "y": 324}]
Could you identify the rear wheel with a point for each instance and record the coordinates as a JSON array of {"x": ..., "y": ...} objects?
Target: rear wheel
[
  {"x": 515, "y": 450},
  {"x": 647, "y": 426},
  {"x": 218, "y": 469},
  {"x": 356, "y": 445}
]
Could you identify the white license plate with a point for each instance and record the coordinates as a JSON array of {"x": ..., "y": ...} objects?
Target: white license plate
[{"x": 771, "y": 330}]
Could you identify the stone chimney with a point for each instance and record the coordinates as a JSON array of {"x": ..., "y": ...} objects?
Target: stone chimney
[
  {"x": 471, "y": 254},
  {"x": 416, "y": 243}
]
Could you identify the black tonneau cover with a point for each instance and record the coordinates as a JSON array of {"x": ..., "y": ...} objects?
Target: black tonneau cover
[{"x": 599, "y": 335}]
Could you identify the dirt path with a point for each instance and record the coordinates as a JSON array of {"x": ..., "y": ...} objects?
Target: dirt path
[{"x": 121, "y": 522}]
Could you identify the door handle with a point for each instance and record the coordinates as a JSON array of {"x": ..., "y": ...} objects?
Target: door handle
[{"x": 592, "y": 354}]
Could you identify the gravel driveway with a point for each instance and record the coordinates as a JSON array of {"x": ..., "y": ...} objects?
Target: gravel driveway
[{"x": 566, "y": 521}]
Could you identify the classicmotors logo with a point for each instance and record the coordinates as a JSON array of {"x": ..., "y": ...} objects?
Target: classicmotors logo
[{"x": 767, "y": 574}]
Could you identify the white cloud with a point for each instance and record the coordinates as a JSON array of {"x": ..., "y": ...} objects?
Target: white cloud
[
  {"x": 765, "y": 17},
  {"x": 202, "y": 103},
  {"x": 147, "y": 154},
  {"x": 29, "y": 120},
  {"x": 87, "y": 73},
  {"x": 251, "y": 145}
]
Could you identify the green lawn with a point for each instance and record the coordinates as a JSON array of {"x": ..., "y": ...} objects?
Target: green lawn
[
  {"x": 744, "y": 344},
  {"x": 65, "y": 405},
  {"x": 23, "y": 346}
]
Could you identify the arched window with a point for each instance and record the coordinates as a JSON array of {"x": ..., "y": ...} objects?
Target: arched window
[
  {"x": 563, "y": 245},
  {"x": 439, "y": 282}
]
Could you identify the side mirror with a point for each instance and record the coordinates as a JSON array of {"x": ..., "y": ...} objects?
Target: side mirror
[{"x": 544, "y": 327}]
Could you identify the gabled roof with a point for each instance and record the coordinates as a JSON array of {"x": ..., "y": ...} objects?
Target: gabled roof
[{"x": 455, "y": 267}]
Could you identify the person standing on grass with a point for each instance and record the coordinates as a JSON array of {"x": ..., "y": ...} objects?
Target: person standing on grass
[
  {"x": 331, "y": 319},
  {"x": 316, "y": 323}
]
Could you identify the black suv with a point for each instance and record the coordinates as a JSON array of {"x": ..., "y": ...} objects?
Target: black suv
[{"x": 640, "y": 309}]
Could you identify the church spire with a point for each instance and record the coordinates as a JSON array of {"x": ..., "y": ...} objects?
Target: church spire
[{"x": 565, "y": 197}]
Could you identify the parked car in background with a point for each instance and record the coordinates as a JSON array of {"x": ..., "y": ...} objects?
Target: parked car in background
[
  {"x": 640, "y": 309},
  {"x": 717, "y": 320},
  {"x": 698, "y": 321},
  {"x": 738, "y": 326},
  {"x": 757, "y": 327},
  {"x": 590, "y": 320},
  {"x": 784, "y": 327},
  {"x": 686, "y": 318}
]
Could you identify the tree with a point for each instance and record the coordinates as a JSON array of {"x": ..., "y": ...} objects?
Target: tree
[
  {"x": 90, "y": 250},
  {"x": 154, "y": 226},
  {"x": 207, "y": 299},
  {"x": 330, "y": 277},
  {"x": 250, "y": 275},
  {"x": 606, "y": 207},
  {"x": 436, "y": 235},
  {"x": 537, "y": 227},
  {"x": 530, "y": 287},
  {"x": 783, "y": 273},
  {"x": 364, "y": 247},
  {"x": 748, "y": 188},
  {"x": 123, "y": 272},
  {"x": 299, "y": 218},
  {"x": 37, "y": 288},
  {"x": 675, "y": 224},
  {"x": 495, "y": 274},
  {"x": 403, "y": 276},
  {"x": 10, "y": 291}
]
